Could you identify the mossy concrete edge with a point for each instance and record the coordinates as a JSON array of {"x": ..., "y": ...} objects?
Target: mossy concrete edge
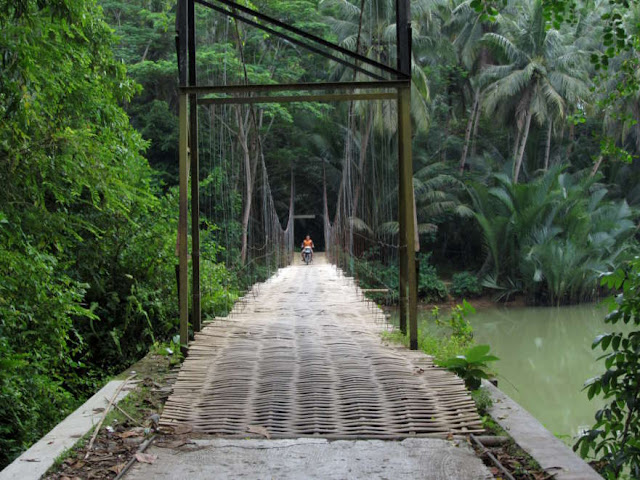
[
  {"x": 552, "y": 454},
  {"x": 35, "y": 462}
]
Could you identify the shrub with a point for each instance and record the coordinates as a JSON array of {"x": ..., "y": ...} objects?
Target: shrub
[
  {"x": 471, "y": 366},
  {"x": 465, "y": 285},
  {"x": 430, "y": 287},
  {"x": 614, "y": 439}
]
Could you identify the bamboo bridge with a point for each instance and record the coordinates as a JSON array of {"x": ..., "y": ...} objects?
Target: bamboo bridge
[
  {"x": 301, "y": 361},
  {"x": 300, "y": 367}
]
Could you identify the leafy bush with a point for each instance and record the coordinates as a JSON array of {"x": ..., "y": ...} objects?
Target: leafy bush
[
  {"x": 550, "y": 238},
  {"x": 615, "y": 437},
  {"x": 465, "y": 285},
  {"x": 482, "y": 399},
  {"x": 372, "y": 273},
  {"x": 430, "y": 287},
  {"x": 472, "y": 366},
  {"x": 444, "y": 338},
  {"x": 37, "y": 341},
  {"x": 458, "y": 323},
  {"x": 87, "y": 249}
]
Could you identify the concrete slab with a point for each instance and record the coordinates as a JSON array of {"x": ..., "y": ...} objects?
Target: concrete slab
[
  {"x": 552, "y": 454},
  {"x": 310, "y": 458},
  {"x": 33, "y": 463}
]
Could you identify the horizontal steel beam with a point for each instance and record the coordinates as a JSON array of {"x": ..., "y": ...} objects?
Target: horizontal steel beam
[
  {"x": 290, "y": 39},
  {"x": 307, "y": 35},
  {"x": 282, "y": 87},
  {"x": 324, "y": 98}
]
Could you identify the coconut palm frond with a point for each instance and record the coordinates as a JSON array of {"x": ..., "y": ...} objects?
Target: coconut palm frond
[{"x": 389, "y": 228}]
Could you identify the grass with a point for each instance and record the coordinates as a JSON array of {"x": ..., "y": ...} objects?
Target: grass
[
  {"x": 483, "y": 400},
  {"x": 432, "y": 341}
]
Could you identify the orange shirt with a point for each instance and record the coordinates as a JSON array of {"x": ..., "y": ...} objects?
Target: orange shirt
[{"x": 307, "y": 243}]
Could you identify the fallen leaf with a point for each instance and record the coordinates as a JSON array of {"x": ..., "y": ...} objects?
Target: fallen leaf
[
  {"x": 118, "y": 468},
  {"x": 146, "y": 457},
  {"x": 259, "y": 430},
  {"x": 131, "y": 433}
]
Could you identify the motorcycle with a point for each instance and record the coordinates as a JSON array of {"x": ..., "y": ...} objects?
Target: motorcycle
[{"x": 306, "y": 255}]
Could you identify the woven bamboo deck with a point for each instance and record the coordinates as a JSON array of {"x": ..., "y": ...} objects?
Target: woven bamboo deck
[{"x": 302, "y": 355}]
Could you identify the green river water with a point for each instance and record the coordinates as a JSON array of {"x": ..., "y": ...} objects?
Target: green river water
[{"x": 545, "y": 358}]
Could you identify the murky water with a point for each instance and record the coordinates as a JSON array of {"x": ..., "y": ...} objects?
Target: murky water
[{"x": 545, "y": 358}]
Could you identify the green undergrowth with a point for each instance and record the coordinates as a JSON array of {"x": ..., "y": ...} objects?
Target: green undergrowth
[
  {"x": 483, "y": 400},
  {"x": 134, "y": 411},
  {"x": 442, "y": 337},
  {"x": 450, "y": 342}
]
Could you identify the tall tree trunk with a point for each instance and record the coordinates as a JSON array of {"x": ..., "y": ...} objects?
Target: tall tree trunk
[
  {"x": 476, "y": 122},
  {"x": 248, "y": 181},
  {"x": 251, "y": 154},
  {"x": 364, "y": 145},
  {"x": 352, "y": 122},
  {"x": 516, "y": 146},
  {"x": 572, "y": 129},
  {"x": 636, "y": 116},
  {"x": 547, "y": 151},
  {"x": 467, "y": 135},
  {"x": 596, "y": 166},
  {"x": 523, "y": 144}
]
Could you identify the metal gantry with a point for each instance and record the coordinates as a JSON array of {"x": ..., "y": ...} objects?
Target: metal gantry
[{"x": 379, "y": 88}]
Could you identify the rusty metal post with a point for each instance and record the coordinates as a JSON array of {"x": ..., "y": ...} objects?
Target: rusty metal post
[
  {"x": 182, "y": 222},
  {"x": 183, "y": 288},
  {"x": 402, "y": 246},
  {"x": 195, "y": 172},
  {"x": 408, "y": 278}
]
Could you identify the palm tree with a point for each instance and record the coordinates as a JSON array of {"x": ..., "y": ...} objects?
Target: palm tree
[
  {"x": 369, "y": 29},
  {"x": 372, "y": 32},
  {"x": 552, "y": 237},
  {"x": 467, "y": 32},
  {"x": 438, "y": 194},
  {"x": 542, "y": 75}
]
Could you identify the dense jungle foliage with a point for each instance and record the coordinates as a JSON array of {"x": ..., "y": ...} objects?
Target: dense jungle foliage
[
  {"x": 87, "y": 248},
  {"x": 525, "y": 143}
]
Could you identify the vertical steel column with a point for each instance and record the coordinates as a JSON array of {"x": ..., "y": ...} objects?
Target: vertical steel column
[
  {"x": 183, "y": 293},
  {"x": 404, "y": 63},
  {"x": 195, "y": 172},
  {"x": 408, "y": 278},
  {"x": 182, "y": 222}
]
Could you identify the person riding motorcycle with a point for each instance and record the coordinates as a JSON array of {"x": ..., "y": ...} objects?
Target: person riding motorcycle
[{"x": 307, "y": 242}]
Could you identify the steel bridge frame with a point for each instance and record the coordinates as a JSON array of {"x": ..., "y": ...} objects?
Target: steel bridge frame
[{"x": 380, "y": 88}]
